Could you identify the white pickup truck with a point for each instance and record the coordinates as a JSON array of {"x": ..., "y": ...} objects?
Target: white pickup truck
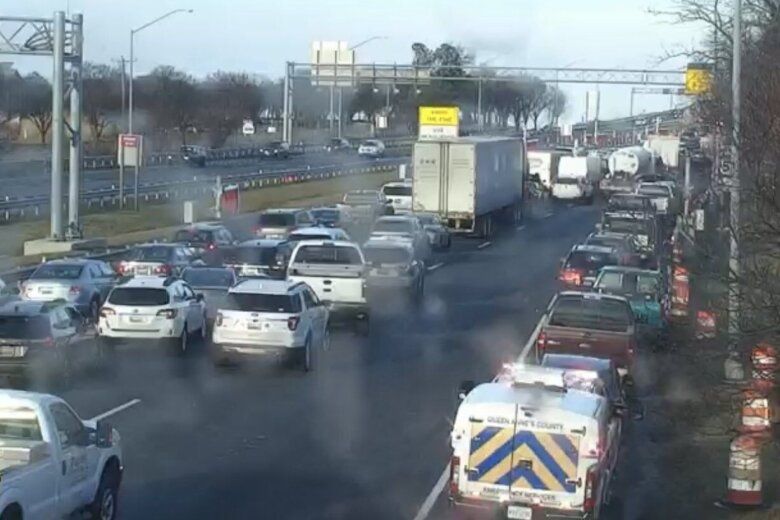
[
  {"x": 54, "y": 464},
  {"x": 335, "y": 270}
]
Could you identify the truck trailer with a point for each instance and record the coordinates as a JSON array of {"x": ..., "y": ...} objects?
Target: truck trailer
[
  {"x": 544, "y": 163},
  {"x": 472, "y": 183}
]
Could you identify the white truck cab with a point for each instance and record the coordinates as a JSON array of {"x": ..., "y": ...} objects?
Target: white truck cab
[
  {"x": 526, "y": 446},
  {"x": 53, "y": 463}
]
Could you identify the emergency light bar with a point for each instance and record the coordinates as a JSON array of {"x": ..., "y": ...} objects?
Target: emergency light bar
[{"x": 520, "y": 374}]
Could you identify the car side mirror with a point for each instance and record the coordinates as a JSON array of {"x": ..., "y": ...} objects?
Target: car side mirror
[
  {"x": 465, "y": 388},
  {"x": 103, "y": 434}
]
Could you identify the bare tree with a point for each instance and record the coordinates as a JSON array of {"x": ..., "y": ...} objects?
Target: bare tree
[
  {"x": 36, "y": 104},
  {"x": 102, "y": 86},
  {"x": 229, "y": 98},
  {"x": 172, "y": 97}
]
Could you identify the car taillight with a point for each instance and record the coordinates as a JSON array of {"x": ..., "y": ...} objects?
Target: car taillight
[
  {"x": 590, "y": 489},
  {"x": 48, "y": 341},
  {"x": 74, "y": 289},
  {"x": 168, "y": 314},
  {"x": 163, "y": 269},
  {"x": 219, "y": 319},
  {"x": 292, "y": 322},
  {"x": 454, "y": 476},
  {"x": 121, "y": 267},
  {"x": 211, "y": 247},
  {"x": 572, "y": 276},
  {"x": 105, "y": 312},
  {"x": 541, "y": 343}
]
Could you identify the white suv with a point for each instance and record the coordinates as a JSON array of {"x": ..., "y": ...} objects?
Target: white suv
[
  {"x": 153, "y": 308},
  {"x": 270, "y": 317}
]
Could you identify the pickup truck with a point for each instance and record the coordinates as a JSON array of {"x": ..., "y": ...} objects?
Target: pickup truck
[
  {"x": 335, "y": 270},
  {"x": 589, "y": 324},
  {"x": 54, "y": 464}
]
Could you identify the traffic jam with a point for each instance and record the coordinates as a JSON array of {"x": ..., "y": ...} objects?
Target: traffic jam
[
  {"x": 540, "y": 440},
  {"x": 543, "y": 438}
]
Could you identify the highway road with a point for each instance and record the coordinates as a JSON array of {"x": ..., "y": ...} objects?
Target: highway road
[
  {"x": 36, "y": 183},
  {"x": 363, "y": 436}
]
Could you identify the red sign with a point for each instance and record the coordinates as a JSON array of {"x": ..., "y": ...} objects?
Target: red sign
[
  {"x": 129, "y": 140},
  {"x": 230, "y": 202}
]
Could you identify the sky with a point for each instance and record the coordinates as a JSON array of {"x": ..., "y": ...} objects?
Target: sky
[{"x": 259, "y": 36}]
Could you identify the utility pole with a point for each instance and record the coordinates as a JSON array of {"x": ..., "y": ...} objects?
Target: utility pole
[
  {"x": 286, "y": 104},
  {"x": 587, "y": 116},
  {"x": 734, "y": 254},
  {"x": 76, "y": 148},
  {"x": 479, "y": 105},
  {"x": 124, "y": 84},
  {"x": 330, "y": 112},
  {"x": 57, "y": 125},
  {"x": 596, "y": 120},
  {"x": 631, "y": 106}
]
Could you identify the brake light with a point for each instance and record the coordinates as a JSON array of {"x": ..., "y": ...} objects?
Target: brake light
[
  {"x": 105, "y": 312},
  {"x": 163, "y": 269},
  {"x": 168, "y": 314},
  {"x": 292, "y": 322},
  {"x": 454, "y": 476},
  {"x": 211, "y": 247},
  {"x": 590, "y": 489},
  {"x": 74, "y": 289},
  {"x": 572, "y": 276},
  {"x": 48, "y": 341},
  {"x": 219, "y": 319},
  {"x": 541, "y": 343},
  {"x": 121, "y": 267}
]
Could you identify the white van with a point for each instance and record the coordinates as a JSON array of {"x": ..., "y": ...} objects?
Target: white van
[
  {"x": 529, "y": 447},
  {"x": 399, "y": 195}
]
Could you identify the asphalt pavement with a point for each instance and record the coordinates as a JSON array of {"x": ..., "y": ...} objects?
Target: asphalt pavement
[
  {"x": 36, "y": 183},
  {"x": 363, "y": 436}
]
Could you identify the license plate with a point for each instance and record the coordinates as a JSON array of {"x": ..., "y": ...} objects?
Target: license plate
[
  {"x": 12, "y": 351},
  {"x": 255, "y": 325},
  {"x": 45, "y": 291},
  {"x": 519, "y": 513},
  {"x": 136, "y": 319}
]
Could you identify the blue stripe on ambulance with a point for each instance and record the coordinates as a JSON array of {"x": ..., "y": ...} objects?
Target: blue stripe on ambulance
[{"x": 536, "y": 460}]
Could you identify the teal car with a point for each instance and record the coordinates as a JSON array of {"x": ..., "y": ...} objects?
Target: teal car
[{"x": 645, "y": 290}]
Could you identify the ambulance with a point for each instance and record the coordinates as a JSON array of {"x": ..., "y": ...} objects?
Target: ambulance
[{"x": 527, "y": 446}]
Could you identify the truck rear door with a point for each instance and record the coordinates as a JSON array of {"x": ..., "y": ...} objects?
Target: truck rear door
[
  {"x": 511, "y": 460},
  {"x": 460, "y": 186},
  {"x": 429, "y": 161}
]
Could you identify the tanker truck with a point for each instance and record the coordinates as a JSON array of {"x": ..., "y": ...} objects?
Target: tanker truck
[{"x": 624, "y": 165}]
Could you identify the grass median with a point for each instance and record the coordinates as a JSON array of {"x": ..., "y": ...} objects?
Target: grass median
[{"x": 155, "y": 221}]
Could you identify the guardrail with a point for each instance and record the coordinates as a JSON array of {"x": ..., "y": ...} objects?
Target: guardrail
[
  {"x": 161, "y": 192},
  {"x": 171, "y": 158}
]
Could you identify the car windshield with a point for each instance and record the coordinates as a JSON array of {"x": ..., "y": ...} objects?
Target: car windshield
[
  {"x": 152, "y": 254},
  {"x": 297, "y": 237},
  {"x": 277, "y": 220},
  {"x": 57, "y": 271},
  {"x": 24, "y": 327},
  {"x": 627, "y": 203},
  {"x": 590, "y": 261},
  {"x": 327, "y": 254},
  {"x": 139, "y": 297},
  {"x": 253, "y": 302},
  {"x": 397, "y": 191},
  {"x": 387, "y": 255},
  {"x": 567, "y": 180},
  {"x": 208, "y": 277},
  {"x": 626, "y": 225},
  {"x": 194, "y": 236},
  {"x": 392, "y": 226},
  {"x": 19, "y": 423},
  {"x": 428, "y": 220},
  {"x": 654, "y": 191},
  {"x": 591, "y": 313},
  {"x": 603, "y": 241},
  {"x": 252, "y": 255},
  {"x": 326, "y": 215},
  {"x": 370, "y": 143}
]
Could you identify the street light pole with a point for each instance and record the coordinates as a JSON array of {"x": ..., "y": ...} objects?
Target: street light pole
[
  {"x": 736, "y": 114},
  {"x": 133, "y": 32}
]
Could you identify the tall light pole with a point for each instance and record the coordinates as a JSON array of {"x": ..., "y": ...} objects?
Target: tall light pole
[
  {"x": 132, "y": 60},
  {"x": 736, "y": 113}
]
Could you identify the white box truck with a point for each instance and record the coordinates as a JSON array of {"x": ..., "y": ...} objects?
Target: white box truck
[
  {"x": 544, "y": 163},
  {"x": 577, "y": 178},
  {"x": 667, "y": 147},
  {"x": 471, "y": 183}
]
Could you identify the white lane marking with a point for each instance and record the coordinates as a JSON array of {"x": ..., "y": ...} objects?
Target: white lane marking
[
  {"x": 549, "y": 215},
  {"x": 483, "y": 245},
  {"x": 520, "y": 228},
  {"x": 430, "y": 500},
  {"x": 435, "y": 266},
  {"x": 125, "y": 406}
]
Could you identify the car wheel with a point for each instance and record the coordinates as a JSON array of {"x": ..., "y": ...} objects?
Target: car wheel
[
  {"x": 106, "y": 502},
  {"x": 326, "y": 339},
  {"x": 448, "y": 244},
  {"x": 363, "y": 326},
  {"x": 306, "y": 356},
  {"x": 94, "y": 310},
  {"x": 179, "y": 345}
]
